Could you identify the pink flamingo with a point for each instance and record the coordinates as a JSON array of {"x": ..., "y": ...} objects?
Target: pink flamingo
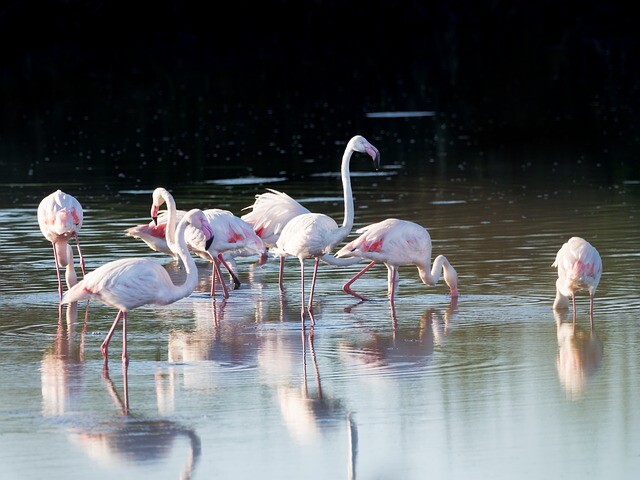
[
  {"x": 398, "y": 242},
  {"x": 579, "y": 268},
  {"x": 132, "y": 282},
  {"x": 314, "y": 235},
  {"x": 241, "y": 240},
  {"x": 233, "y": 237},
  {"x": 60, "y": 219},
  {"x": 270, "y": 212}
]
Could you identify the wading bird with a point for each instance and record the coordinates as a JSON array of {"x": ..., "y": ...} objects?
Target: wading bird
[
  {"x": 397, "y": 242},
  {"x": 233, "y": 237},
  {"x": 270, "y": 212},
  {"x": 133, "y": 282},
  {"x": 579, "y": 268},
  {"x": 60, "y": 219},
  {"x": 314, "y": 235}
]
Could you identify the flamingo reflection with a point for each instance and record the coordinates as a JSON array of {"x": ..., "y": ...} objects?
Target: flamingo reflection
[
  {"x": 579, "y": 355},
  {"x": 400, "y": 347},
  {"x": 62, "y": 366},
  {"x": 131, "y": 440}
]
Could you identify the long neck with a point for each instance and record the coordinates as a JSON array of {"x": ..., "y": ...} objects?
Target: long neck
[
  {"x": 180, "y": 248},
  {"x": 170, "y": 232},
  {"x": 347, "y": 223},
  {"x": 431, "y": 278}
]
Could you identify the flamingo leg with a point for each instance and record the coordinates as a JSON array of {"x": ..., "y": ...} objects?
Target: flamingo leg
[
  {"x": 216, "y": 272},
  {"x": 82, "y": 266},
  {"x": 303, "y": 311},
  {"x": 236, "y": 280},
  {"x": 104, "y": 348},
  {"x": 575, "y": 314},
  {"x": 57, "y": 262},
  {"x": 392, "y": 285},
  {"x": 347, "y": 286},
  {"x": 313, "y": 287},
  {"x": 125, "y": 356},
  {"x": 281, "y": 274},
  {"x": 591, "y": 310}
]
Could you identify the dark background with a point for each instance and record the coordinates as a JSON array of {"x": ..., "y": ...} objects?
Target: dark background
[{"x": 200, "y": 81}]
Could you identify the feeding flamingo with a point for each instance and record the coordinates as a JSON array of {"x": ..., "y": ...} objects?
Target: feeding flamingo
[
  {"x": 132, "y": 282},
  {"x": 60, "y": 219},
  {"x": 579, "y": 268},
  {"x": 397, "y": 242},
  {"x": 314, "y": 235}
]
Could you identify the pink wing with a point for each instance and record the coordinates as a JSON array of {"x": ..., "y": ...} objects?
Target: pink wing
[
  {"x": 393, "y": 241},
  {"x": 230, "y": 234}
]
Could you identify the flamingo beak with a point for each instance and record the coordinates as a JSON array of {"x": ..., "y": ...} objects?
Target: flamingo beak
[
  {"x": 375, "y": 155},
  {"x": 154, "y": 214},
  {"x": 208, "y": 232}
]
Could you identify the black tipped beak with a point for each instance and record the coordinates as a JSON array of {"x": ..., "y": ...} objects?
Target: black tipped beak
[
  {"x": 155, "y": 221},
  {"x": 376, "y": 161},
  {"x": 209, "y": 242}
]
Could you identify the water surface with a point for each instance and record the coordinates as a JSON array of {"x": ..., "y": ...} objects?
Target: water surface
[{"x": 493, "y": 385}]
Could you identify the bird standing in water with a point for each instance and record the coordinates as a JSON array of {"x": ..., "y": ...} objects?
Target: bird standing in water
[
  {"x": 132, "y": 282},
  {"x": 314, "y": 235},
  {"x": 579, "y": 268},
  {"x": 270, "y": 212},
  {"x": 397, "y": 242},
  {"x": 60, "y": 219}
]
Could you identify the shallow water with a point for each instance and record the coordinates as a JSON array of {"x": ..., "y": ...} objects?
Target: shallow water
[{"x": 493, "y": 385}]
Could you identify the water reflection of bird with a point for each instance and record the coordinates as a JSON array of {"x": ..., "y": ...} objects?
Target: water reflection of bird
[
  {"x": 313, "y": 235},
  {"x": 60, "y": 218},
  {"x": 579, "y": 355},
  {"x": 230, "y": 342},
  {"x": 404, "y": 347},
  {"x": 579, "y": 268},
  {"x": 307, "y": 410},
  {"x": 61, "y": 368},
  {"x": 397, "y": 242},
  {"x": 132, "y": 282},
  {"x": 134, "y": 440}
]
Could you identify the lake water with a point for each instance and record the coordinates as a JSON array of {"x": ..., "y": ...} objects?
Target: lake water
[{"x": 495, "y": 385}]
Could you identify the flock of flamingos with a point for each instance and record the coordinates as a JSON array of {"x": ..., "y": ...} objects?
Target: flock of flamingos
[{"x": 276, "y": 224}]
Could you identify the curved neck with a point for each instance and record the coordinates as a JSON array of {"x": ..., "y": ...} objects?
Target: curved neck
[
  {"x": 179, "y": 247},
  {"x": 170, "y": 232},
  {"x": 347, "y": 223},
  {"x": 431, "y": 278}
]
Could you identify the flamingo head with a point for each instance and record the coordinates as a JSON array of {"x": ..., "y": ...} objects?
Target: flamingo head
[
  {"x": 362, "y": 145},
  {"x": 451, "y": 279},
  {"x": 199, "y": 220},
  {"x": 158, "y": 200}
]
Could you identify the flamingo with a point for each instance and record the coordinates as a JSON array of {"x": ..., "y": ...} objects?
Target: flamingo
[
  {"x": 397, "y": 242},
  {"x": 579, "y": 268},
  {"x": 270, "y": 212},
  {"x": 129, "y": 283},
  {"x": 240, "y": 238},
  {"x": 233, "y": 237},
  {"x": 60, "y": 219},
  {"x": 314, "y": 235}
]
